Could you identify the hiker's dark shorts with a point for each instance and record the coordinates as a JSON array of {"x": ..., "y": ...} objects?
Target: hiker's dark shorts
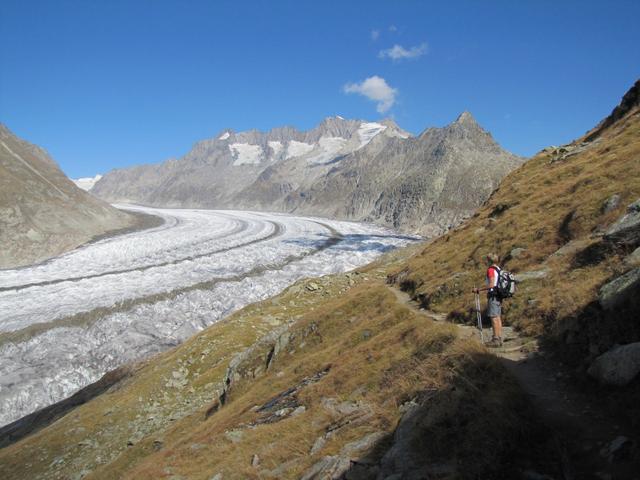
[{"x": 494, "y": 307}]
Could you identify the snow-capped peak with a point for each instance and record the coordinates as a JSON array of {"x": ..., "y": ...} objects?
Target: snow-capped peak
[{"x": 224, "y": 136}]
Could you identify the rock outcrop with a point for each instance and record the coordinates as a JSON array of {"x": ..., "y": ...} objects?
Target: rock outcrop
[
  {"x": 345, "y": 169},
  {"x": 626, "y": 230},
  {"x": 619, "y": 366},
  {"x": 42, "y": 213},
  {"x": 620, "y": 289}
]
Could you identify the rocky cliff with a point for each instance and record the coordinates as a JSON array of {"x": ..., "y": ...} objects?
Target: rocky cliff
[
  {"x": 42, "y": 213},
  {"x": 345, "y": 169}
]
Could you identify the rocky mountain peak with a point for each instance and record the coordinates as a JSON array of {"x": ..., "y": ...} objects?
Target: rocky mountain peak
[
  {"x": 336, "y": 127},
  {"x": 466, "y": 119}
]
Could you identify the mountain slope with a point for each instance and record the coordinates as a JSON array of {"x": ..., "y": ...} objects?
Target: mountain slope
[
  {"x": 42, "y": 213},
  {"x": 343, "y": 169}
]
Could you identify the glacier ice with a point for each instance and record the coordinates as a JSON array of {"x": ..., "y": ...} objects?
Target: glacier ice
[{"x": 127, "y": 297}]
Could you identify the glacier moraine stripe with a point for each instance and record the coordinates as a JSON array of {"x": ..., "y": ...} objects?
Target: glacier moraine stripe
[
  {"x": 88, "y": 317},
  {"x": 278, "y": 230}
]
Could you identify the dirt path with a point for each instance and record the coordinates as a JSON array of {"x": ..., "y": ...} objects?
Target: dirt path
[{"x": 585, "y": 434}]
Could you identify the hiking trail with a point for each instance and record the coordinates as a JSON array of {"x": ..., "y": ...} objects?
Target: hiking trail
[{"x": 591, "y": 443}]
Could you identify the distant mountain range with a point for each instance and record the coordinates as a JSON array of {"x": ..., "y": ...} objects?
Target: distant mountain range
[
  {"x": 346, "y": 169},
  {"x": 42, "y": 213}
]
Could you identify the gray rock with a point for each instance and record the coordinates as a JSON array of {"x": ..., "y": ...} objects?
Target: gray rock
[
  {"x": 618, "y": 366},
  {"x": 626, "y": 230},
  {"x": 517, "y": 252},
  {"x": 255, "y": 461},
  {"x": 620, "y": 289},
  {"x": 633, "y": 259},
  {"x": 332, "y": 467},
  {"x": 570, "y": 248},
  {"x": 532, "y": 275},
  {"x": 611, "y": 203},
  {"x": 234, "y": 436},
  {"x": 364, "y": 444},
  {"x": 312, "y": 286},
  {"x": 318, "y": 445},
  {"x": 406, "y": 406},
  {"x": 217, "y": 476},
  {"x": 341, "y": 409},
  {"x": 298, "y": 411}
]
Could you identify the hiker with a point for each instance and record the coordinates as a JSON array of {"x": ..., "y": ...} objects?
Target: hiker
[{"x": 494, "y": 301}]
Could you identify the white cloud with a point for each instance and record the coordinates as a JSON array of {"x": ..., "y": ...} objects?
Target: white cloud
[
  {"x": 398, "y": 52},
  {"x": 393, "y": 28},
  {"x": 375, "y": 34},
  {"x": 374, "y": 88}
]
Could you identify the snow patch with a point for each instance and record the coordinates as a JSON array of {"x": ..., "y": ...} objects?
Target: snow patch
[
  {"x": 330, "y": 148},
  {"x": 276, "y": 146},
  {"x": 86, "y": 183},
  {"x": 224, "y": 136},
  {"x": 297, "y": 149},
  {"x": 367, "y": 131},
  {"x": 246, "y": 154}
]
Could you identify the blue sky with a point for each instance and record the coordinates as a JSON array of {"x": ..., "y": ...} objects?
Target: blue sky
[{"x": 106, "y": 84}]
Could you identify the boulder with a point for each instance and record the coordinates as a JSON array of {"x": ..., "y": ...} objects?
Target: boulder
[
  {"x": 611, "y": 203},
  {"x": 633, "y": 259},
  {"x": 531, "y": 275},
  {"x": 619, "y": 289},
  {"x": 618, "y": 366},
  {"x": 626, "y": 230},
  {"x": 365, "y": 444}
]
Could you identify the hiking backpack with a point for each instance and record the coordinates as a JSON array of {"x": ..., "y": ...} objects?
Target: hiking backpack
[{"x": 506, "y": 285}]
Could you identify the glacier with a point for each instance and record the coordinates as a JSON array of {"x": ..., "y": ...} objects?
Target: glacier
[{"x": 67, "y": 321}]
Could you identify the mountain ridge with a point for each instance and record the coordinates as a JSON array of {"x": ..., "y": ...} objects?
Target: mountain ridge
[
  {"x": 42, "y": 212},
  {"x": 291, "y": 171}
]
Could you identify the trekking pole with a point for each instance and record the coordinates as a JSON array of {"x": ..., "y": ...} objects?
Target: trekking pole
[{"x": 479, "y": 317}]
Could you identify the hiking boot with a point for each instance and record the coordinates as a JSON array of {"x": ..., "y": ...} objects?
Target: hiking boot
[{"x": 495, "y": 342}]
